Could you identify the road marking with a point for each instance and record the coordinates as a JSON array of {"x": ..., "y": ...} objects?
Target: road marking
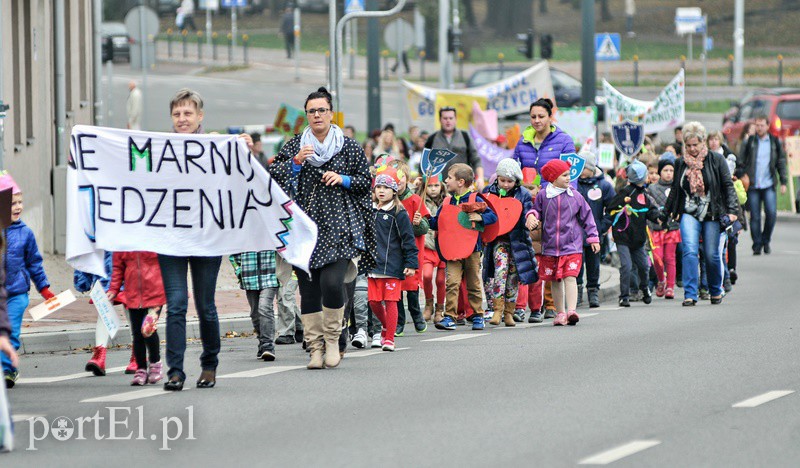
[
  {"x": 62, "y": 378},
  {"x": 543, "y": 324},
  {"x": 259, "y": 372},
  {"x": 370, "y": 352},
  {"x": 24, "y": 417},
  {"x": 763, "y": 398},
  {"x": 617, "y": 453},
  {"x": 128, "y": 396},
  {"x": 459, "y": 337}
]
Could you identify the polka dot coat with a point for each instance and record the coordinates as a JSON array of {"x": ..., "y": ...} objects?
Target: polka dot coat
[{"x": 343, "y": 216}]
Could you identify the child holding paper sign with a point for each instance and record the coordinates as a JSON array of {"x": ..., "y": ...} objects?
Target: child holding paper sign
[{"x": 23, "y": 263}]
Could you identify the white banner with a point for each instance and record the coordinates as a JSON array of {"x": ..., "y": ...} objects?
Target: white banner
[
  {"x": 580, "y": 123},
  {"x": 667, "y": 111},
  {"x": 105, "y": 309},
  {"x": 175, "y": 194},
  {"x": 509, "y": 96}
]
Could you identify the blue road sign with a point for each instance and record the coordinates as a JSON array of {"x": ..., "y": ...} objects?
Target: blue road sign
[
  {"x": 607, "y": 47},
  {"x": 353, "y": 5},
  {"x": 233, "y": 3},
  {"x": 577, "y": 164}
]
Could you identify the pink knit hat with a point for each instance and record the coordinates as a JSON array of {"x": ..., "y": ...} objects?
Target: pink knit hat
[{"x": 6, "y": 182}]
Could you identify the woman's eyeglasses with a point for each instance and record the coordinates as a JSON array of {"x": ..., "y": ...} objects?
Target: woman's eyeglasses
[{"x": 320, "y": 111}]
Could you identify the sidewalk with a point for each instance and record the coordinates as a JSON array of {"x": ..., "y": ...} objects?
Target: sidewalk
[{"x": 73, "y": 327}]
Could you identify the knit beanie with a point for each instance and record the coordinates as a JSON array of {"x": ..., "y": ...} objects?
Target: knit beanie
[
  {"x": 385, "y": 180},
  {"x": 590, "y": 158},
  {"x": 555, "y": 168},
  {"x": 668, "y": 155},
  {"x": 509, "y": 169},
  {"x": 636, "y": 172},
  {"x": 662, "y": 163}
]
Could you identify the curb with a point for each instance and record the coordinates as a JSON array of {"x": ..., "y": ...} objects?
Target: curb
[
  {"x": 788, "y": 217},
  {"x": 71, "y": 340}
]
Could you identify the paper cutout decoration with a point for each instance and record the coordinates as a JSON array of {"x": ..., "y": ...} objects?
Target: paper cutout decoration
[
  {"x": 51, "y": 305},
  {"x": 485, "y": 121},
  {"x": 490, "y": 153},
  {"x": 508, "y": 211},
  {"x": 513, "y": 135},
  {"x": 455, "y": 241}
]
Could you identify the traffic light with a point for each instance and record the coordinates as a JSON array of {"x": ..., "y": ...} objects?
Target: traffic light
[
  {"x": 546, "y": 46},
  {"x": 453, "y": 40},
  {"x": 526, "y": 48}
]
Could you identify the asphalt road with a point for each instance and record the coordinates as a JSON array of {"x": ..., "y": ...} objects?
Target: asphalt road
[{"x": 657, "y": 383}]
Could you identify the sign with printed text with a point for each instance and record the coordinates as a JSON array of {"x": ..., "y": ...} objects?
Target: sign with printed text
[
  {"x": 605, "y": 156},
  {"x": 51, "y": 305},
  {"x": 434, "y": 161},
  {"x": 175, "y": 194},
  {"x": 667, "y": 111},
  {"x": 628, "y": 137},
  {"x": 580, "y": 123},
  {"x": 576, "y": 165},
  {"x": 105, "y": 309}
]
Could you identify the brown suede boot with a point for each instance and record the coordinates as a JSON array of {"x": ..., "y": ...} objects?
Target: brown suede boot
[
  {"x": 508, "y": 314},
  {"x": 428, "y": 311},
  {"x": 332, "y": 328},
  {"x": 499, "y": 304},
  {"x": 438, "y": 314},
  {"x": 312, "y": 325}
]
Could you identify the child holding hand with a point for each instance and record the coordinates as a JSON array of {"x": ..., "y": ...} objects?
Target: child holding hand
[{"x": 565, "y": 217}]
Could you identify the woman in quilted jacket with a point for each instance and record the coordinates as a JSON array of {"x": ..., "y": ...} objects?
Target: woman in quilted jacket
[{"x": 542, "y": 141}]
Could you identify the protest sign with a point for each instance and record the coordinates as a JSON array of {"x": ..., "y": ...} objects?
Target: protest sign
[
  {"x": 605, "y": 156},
  {"x": 175, "y": 194},
  {"x": 580, "y": 123},
  {"x": 490, "y": 153},
  {"x": 668, "y": 110},
  {"x": 51, "y": 305},
  {"x": 509, "y": 96},
  {"x": 105, "y": 309},
  {"x": 793, "y": 155},
  {"x": 462, "y": 103}
]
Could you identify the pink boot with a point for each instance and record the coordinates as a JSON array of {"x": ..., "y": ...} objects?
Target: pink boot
[
  {"x": 561, "y": 319},
  {"x": 660, "y": 289},
  {"x": 97, "y": 364},
  {"x": 139, "y": 378},
  {"x": 155, "y": 373},
  {"x": 572, "y": 317}
]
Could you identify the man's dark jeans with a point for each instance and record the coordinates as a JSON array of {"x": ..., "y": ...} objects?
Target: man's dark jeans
[{"x": 755, "y": 197}]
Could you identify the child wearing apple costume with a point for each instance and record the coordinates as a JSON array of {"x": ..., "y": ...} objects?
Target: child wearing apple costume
[
  {"x": 565, "y": 217},
  {"x": 509, "y": 258}
]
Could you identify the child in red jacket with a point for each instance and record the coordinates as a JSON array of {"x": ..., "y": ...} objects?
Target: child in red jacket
[{"x": 143, "y": 297}]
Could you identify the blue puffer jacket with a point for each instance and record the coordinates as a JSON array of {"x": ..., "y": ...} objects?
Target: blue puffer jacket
[
  {"x": 23, "y": 260},
  {"x": 521, "y": 247},
  {"x": 554, "y": 145},
  {"x": 598, "y": 193},
  {"x": 83, "y": 281}
]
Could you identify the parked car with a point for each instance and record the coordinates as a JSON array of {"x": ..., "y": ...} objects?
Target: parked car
[
  {"x": 167, "y": 7},
  {"x": 780, "y": 105},
  {"x": 566, "y": 87},
  {"x": 318, "y": 6},
  {"x": 115, "y": 35}
]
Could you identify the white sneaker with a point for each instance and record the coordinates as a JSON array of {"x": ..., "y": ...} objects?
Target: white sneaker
[
  {"x": 376, "y": 341},
  {"x": 360, "y": 339}
]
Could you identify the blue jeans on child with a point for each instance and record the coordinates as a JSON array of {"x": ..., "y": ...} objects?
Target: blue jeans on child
[
  {"x": 691, "y": 230},
  {"x": 16, "y": 308},
  {"x": 629, "y": 259}
]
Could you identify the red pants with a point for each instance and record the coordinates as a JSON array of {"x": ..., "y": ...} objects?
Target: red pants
[
  {"x": 665, "y": 243},
  {"x": 464, "y": 309},
  {"x": 432, "y": 262},
  {"x": 387, "y": 314}
]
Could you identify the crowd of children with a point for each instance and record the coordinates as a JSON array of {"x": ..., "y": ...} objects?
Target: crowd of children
[{"x": 520, "y": 246}]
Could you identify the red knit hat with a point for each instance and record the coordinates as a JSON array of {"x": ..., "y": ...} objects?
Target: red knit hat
[{"x": 554, "y": 168}]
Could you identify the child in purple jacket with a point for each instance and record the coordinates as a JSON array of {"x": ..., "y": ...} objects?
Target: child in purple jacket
[{"x": 565, "y": 216}]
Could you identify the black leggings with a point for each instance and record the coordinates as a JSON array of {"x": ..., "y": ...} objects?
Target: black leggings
[
  {"x": 325, "y": 287},
  {"x": 141, "y": 345}
]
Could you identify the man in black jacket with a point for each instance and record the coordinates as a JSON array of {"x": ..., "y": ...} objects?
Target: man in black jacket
[{"x": 763, "y": 158}]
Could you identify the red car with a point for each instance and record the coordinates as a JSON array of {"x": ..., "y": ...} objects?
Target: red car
[{"x": 781, "y": 105}]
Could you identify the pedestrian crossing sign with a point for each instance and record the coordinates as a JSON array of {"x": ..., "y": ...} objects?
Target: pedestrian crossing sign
[{"x": 607, "y": 47}]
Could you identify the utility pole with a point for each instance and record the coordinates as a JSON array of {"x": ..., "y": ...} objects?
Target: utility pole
[
  {"x": 444, "y": 59},
  {"x": 588, "y": 73},
  {"x": 373, "y": 70},
  {"x": 332, "y": 38},
  {"x": 738, "y": 43},
  {"x": 97, "y": 68}
]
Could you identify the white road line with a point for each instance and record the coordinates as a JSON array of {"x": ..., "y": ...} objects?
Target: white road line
[
  {"x": 259, "y": 372},
  {"x": 462, "y": 336},
  {"x": 543, "y": 324},
  {"x": 128, "y": 396},
  {"x": 24, "y": 417},
  {"x": 369, "y": 352},
  {"x": 617, "y": 453},
  {"x": 62, "y": 378},
  {"x": 763, "y": 398}
]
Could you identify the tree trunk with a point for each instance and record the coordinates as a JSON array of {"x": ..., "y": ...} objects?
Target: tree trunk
[
  {"x": 469, "y": 13},
  {"x": 508, "y": 17},
  {"x": 605, "y": 12}
]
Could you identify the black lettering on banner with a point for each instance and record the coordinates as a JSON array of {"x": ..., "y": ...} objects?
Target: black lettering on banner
[
  {"x": 204, "y": 200},
  {"x": 213, "y": 149},
  {"x": 230, "y": 207},
  {"x": 163, "y": 193},
  {"x": 247, "y": 207},
  {"x": 83, "y": 152},
  {"x": 191, "y": 157},
  {"x": 239, "y": 165},
  {"x": 176, "y": 208},
  {"x": 268, "y": 192},
  {"x": 101, "y": 203},
  {"x": 164, "y": 157},
  {"x": 124, "y": 199}
]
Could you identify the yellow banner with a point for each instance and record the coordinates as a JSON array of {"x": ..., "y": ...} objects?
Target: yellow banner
[{"x": 463, "y": 106}]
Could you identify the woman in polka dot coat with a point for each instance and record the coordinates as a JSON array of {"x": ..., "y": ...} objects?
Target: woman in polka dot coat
[{"x": 328, "y": 176}]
